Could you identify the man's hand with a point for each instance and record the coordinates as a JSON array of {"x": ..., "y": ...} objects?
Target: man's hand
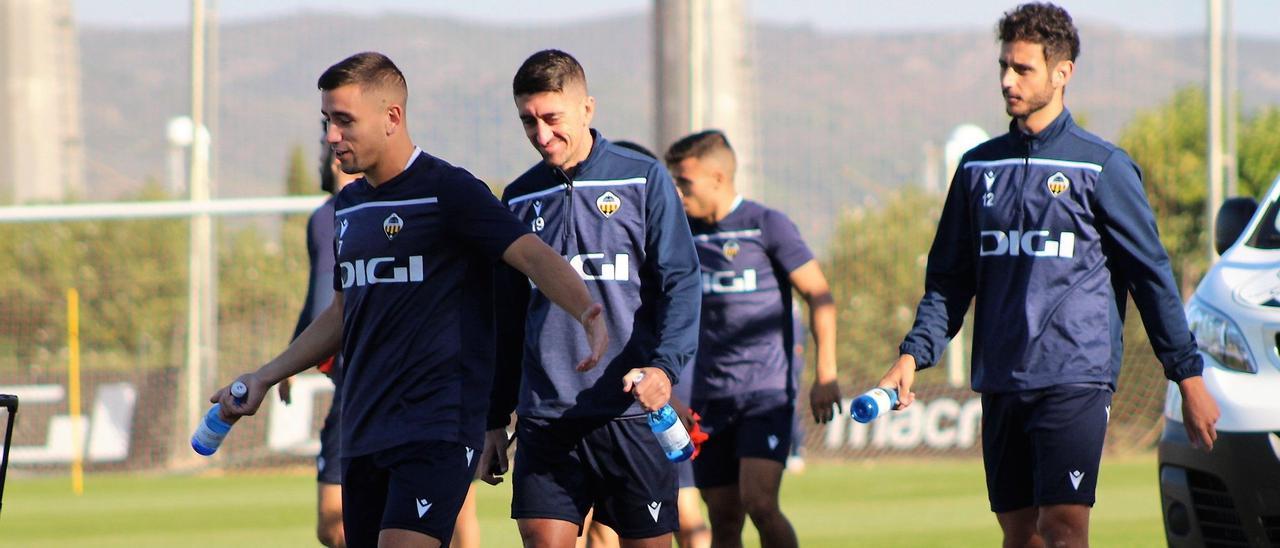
[
  {"x": 1199, "y": 413},
  {"x": 649, "y": 385},
  {"x": 822, "y": 397},
  {"x": 900, "y": 376},
  {"x": 493, "y": 458},
  {"x": 597, "y": 336},
  {"x": 284, "y": 388},
  {"x": 232, "y": 410}
]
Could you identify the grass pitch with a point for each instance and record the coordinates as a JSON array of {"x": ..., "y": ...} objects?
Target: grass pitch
[{"x": 935, "y": 502}]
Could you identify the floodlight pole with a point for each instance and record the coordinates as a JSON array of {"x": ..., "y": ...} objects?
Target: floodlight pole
[
  {"x": 1223, "y": 106},
  {"x": 199, "y": 263}
]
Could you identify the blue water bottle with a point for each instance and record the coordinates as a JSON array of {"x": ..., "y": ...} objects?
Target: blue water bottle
[
  {"x": 873, "y": 403},
  {"x": 213, "y": 429},
  {"x": 670, "y": 431}
]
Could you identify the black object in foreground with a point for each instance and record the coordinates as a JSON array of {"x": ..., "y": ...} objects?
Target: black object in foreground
[{"x": 10, "y": 403}]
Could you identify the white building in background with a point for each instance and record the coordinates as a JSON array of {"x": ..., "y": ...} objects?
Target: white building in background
[{"x": 41, "y": 141}]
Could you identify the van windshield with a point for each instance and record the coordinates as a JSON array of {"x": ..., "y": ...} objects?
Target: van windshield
[{"x": 1267, "y": 235}]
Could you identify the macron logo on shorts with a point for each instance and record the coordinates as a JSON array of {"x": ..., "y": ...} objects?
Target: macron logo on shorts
[
  {"x": 1076, "y": 476},
  {"x": 654, "y": 508},
  {"x": 773, "y": 442},
  {"x": 423, "y": 506},
  {"x": 470, "y": 452}
]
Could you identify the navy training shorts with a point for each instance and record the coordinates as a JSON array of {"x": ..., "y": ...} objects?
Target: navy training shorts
[
  {"x": 564, "y": 467},
  {"x": 328, "y": 464},
  {"x": 756, "y": 425},
  {"x": 418, "y": 486},
  {"x": 1043, "y": 447}
]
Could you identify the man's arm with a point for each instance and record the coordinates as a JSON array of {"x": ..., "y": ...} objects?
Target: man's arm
[
  {"x": 812, "y": 285},
  {"x": 1130, "y": 236},
  {"x": 321, "y": 339},
  {"x": 308, "y": 306},
  {"x": 558, "y": 281},
  {"x": 949, "y": 286}
]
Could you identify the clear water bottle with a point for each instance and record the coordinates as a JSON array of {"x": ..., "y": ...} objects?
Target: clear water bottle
[
  {"x": 873, "y": 403},
  {"x": 670, "y": 431},
  {"x": 213, "y": 429},
  {"x": 671, "y": 434}
]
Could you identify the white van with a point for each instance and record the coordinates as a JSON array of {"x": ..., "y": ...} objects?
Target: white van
[{"x": 1231, "y": 497}]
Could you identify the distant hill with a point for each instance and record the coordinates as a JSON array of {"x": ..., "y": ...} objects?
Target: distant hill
[{"x": 840, "y": 115}]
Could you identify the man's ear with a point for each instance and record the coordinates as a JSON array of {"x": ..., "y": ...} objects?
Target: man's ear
[
  {"x": 394, "y": 119},
  {"x": 1062, "y": 72},
  {"x": 589, "y": 109}
]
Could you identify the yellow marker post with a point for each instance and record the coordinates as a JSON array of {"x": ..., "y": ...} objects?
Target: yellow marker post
[{"x": 73, "y": 382}]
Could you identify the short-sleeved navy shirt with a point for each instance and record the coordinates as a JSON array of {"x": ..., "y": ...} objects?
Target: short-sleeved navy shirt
[
  {"x": 747, "y": 333},
  {"x": 415, "y": 260}
]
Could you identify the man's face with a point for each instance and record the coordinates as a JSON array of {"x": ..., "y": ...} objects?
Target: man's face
[
  {"x": 698, "y": 185},
  {"x": 558, "y": 124},
  {"x": 356, "y": 126},
  {"x": 1026, "y": 80}
]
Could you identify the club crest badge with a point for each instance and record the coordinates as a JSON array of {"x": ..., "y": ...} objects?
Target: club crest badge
[
  {"x": 730, "y": 249},
  {"x": 1058, "y": 183},
  {"x": 608, "y": 204},
  {"x": 392, "y": 226}
]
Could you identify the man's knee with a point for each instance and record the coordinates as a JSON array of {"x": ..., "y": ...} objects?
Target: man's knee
[
  {"x": 330, "y": 534},
  {"x": 760, "y": 505},
  {"x": 1019, "y": 528},
  {"x": 1064, "y": 525}
]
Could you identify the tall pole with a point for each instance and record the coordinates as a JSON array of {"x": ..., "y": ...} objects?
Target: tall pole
[
  {"x": 211, "y": 185},
  {"x": 1230, "y": 97},
  {"x": 199, "y": 241},
  {"x": 704, "y": 78},
  {"x": 1215, "y": 145},
  {"x": 697, "y": 65}
]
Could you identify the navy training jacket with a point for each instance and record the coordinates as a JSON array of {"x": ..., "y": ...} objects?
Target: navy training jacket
[
  {"x": 1048, "y": 234},
  {"x": 620, "y": 224}
]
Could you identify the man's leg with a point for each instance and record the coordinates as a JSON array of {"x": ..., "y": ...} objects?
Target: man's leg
[
  {"x": 404, "y": 538},
  {"x": 1019, "y": 527},
  {"x": 693, "y": 531},
  {"x": 1065, "y": 525},
  {"x": 635, "y": 485},
  {"x": 758, "y": 483},
  {"x": 547, "y": 532},
  {"x": 466, "y": 534},
  {"x": 1069, "y": 429},
  {"x": 550, "y": 489},
  {"x": 329, "y": 515},
  {"x": 426, "y": 488},
  {"x": 724, "y": 506},
  {"x": 1009, "y": 460},
  {"x": 329, "y": 484},
  {"x": 598, "y": 535}
]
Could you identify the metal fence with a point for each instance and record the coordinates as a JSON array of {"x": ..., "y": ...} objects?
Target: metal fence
[{"x": 843, "y": 123}]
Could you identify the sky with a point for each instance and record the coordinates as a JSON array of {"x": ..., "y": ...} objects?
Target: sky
[{"x": 1252, "y": 17}]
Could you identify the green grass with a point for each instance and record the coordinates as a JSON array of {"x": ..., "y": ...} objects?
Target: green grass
[{"x": 834, "y": 503}]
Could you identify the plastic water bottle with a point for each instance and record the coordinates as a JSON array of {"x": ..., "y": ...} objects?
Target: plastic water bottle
[
  {"x": 873, "y": 403},
  {"x": 213, "y": 429},
  {"x": 671, "y": 434},
  {"x": 670, "y": 431}
]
